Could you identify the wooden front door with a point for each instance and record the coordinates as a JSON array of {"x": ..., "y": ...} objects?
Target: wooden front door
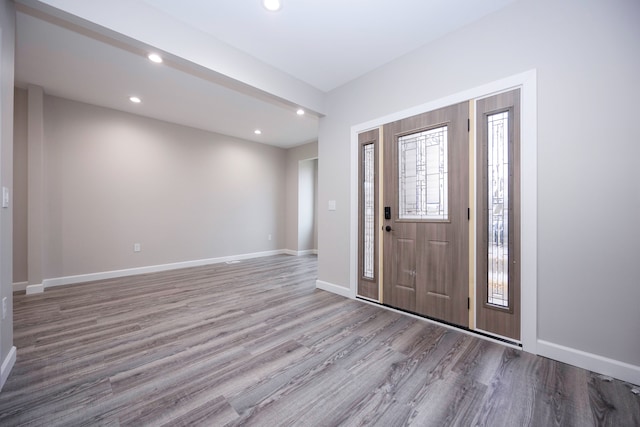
[{"x": 426, "y": 193}]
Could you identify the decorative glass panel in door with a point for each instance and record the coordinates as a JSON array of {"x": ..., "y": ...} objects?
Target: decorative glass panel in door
[
  {"x": 368, "y": 210},
  {"x": 368, "y": 286},
  {"x": 423, "y": 175},
  {"x": 498, "y": 208}
]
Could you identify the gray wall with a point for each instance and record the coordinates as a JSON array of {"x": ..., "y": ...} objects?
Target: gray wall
[
  {"x": 316, "y": 206},
  {"x": 294, "y": 156},
  {"x": 113, "y": 179},
  {"x": 586, "y": 56},
  {"x": 20, "y": 185},
  {"x": 7, "y": 42}
]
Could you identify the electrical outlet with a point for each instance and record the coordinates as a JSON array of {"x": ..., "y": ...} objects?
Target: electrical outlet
[
  {"x": 4, "y": 308},
  {"x": 136, "y": 247},
  {"x": 269, "y": 237}
]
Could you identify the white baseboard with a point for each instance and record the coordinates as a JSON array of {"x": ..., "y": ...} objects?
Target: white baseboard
[
  {"x": 20, "y": 286},
  {"x": 592, "y": 362},
  {"x": 300, "y": 253},
  {"x": 81, "y": 278},
  {"x": 7, "y": 366},
  {"x": 34, "y": 289},
  {"x": 336, "y": 289}
]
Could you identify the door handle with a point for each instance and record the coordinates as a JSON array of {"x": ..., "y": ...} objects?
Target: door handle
[{"x": 388, "y": 228}]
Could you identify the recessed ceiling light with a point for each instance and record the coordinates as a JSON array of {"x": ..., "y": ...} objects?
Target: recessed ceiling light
[
  {"x": 154, "y": 57},
  {"x": 257, "y": 131},
  {"x": 272, "y": 5},
  {"x": 300, "y": 112},
  {"x": 135, "y": 99}
]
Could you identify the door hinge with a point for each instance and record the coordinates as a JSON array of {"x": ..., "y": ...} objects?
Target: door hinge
[
  {"x": 468, "y": 303},
  {"x": 468, "y": 214},
  {"x": 468, "y": 125}
]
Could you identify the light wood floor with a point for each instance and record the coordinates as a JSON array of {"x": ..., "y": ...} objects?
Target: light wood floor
[{"x": 254, "y": 343}]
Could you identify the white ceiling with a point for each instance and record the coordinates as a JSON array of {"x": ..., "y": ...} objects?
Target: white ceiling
[
  {"x": 328, "y": 43},
  {"x": 71, "y": 65},
  {"x": 323, "y": 43}
]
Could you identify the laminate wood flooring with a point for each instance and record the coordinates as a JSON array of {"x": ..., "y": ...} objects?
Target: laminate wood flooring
[{"x": 254, "y": 343}]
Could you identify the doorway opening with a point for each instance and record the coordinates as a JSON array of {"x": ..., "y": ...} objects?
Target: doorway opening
[{"x": 308, "y": 206}]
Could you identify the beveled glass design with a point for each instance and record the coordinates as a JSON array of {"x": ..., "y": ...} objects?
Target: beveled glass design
[
  {"x": 368, "y": 210},
  {"x": 423, "y": 176},
  {"x": 498, "y": 209}
]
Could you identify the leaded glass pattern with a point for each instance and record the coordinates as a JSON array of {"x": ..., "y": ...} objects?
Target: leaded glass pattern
[
  {"x": 368, "y": 207},
  {"x": 498, "y": 209},
  {"x": 423, "y": 176}
]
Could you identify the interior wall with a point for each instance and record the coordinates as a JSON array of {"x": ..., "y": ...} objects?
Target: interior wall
[
  {"x": 113, "y": 179},
  {"x": 585, "y": 54},
  {"x": 294, "y": 156},
  {"x": 316, "y": 206},
  {"x": 306, "y": 204},
  {"x": 7, "y": 43},
  {"x": 20, "y": 185}
]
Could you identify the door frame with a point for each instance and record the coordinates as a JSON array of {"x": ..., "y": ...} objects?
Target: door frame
[{"x": 527, "y": 82}]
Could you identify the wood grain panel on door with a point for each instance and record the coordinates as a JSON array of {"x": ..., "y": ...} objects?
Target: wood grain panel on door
[
  {"x": 430, "y": 211},
  {"x": 438, "y": 268},
  {"x": 404, "y": 274}
]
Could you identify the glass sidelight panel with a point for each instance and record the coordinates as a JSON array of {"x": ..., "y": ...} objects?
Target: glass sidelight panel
[
  {"x": 368, "y": 213},
  {"x": 368, "y": 207},
  {"x": 498, "y": 214},
  {"x": 423, "y": 175},
  {"x": 498, "y": 209}
]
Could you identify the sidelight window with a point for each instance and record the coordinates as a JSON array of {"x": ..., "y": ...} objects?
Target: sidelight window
[
  {"x": 498, "y": 209},
  {"x": 368, "y": 210}
]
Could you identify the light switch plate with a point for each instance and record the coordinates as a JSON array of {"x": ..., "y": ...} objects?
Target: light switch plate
[
  {"x": 332, "y": 205},
  {"x": 5, "y": 197}
]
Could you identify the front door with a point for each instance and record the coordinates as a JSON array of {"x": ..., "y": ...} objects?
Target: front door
[{"x": 426, "y": 194}]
